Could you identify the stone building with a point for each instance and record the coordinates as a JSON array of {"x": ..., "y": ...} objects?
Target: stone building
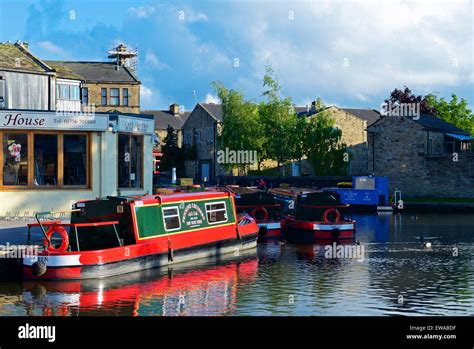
[
  {"x": 109, "y": 86},
  {"x": 199, "y": 139},
  {"x": 424, "y": 157},
  {"x": 164, "y": 118},
  {"x": 353, "y": 123}
]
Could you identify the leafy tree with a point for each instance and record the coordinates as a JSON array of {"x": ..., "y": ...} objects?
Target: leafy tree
[
  {"x": 406, "y": 96},
  {"x": 455, "y": 112},
  {"x": 323, "y": 147},
  {"x": 173, "y": 155},
  {"x": 279, "y": 121},
  {"x": 241, "y": 128}
]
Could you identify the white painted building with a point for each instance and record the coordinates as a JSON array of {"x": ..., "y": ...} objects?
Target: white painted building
[{"x": 52, "y": 153}]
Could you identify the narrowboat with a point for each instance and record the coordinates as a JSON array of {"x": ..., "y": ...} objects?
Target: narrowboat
[
  {"x": 314, "y": 216},
  {"x": 261, "y": 206},
  {"x": 118, "y": 235}
]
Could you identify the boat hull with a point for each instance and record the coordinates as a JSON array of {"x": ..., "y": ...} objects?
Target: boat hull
[
  {"x": 317, "y": 232},
  {"x": 269, "y": 229},
  {"x": 75, "y": 266}
]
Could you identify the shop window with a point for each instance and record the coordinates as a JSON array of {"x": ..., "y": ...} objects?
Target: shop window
[
  {"x": 15, "y": 159},
  {"x": 125, "y": 97},
  {"x": 45, "y": 159},
  {"x": 130, "y": 161},
  {"x": 35, "y": 159},
  {"x": 103, "y": 94},
  {"x": 75, "y": 159},
  {"x": 114, "y": 96}
]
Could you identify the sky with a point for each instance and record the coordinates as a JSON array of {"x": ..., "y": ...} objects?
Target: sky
[{"x": 349, "y": 53}]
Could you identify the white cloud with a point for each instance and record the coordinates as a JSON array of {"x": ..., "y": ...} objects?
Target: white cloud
[
  {"x": 210, "y": 98},
  {"x": 152, "y": 60},
  {"x": 386, "y": 44},
  {"x": 50, "y": 47},
  {"x": 190, "y": 15},
  {"x": 149, "y": 98}
]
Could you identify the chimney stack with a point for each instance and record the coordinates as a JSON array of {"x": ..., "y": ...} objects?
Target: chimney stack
[{"x": 174, "y": 109}]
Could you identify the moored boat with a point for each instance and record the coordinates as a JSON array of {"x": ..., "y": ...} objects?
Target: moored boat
[
  {"x": 262, "y": 206},
  {"x": 314, "y": 216},
  {"x": 118, "y": 235}
]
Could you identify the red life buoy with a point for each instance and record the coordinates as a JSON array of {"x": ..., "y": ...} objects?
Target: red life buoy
[
  {"x": 328, "y": 211},
  {"x": 259, "y": 209},
  {"x": 64, "y": 238}
]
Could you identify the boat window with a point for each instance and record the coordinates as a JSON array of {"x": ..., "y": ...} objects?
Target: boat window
[
  {"x": 171, "y": 218},
  {"x": 216, "y": 212}
]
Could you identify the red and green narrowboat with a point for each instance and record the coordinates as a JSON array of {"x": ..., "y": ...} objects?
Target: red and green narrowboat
[
  {"x": 262, "y": 206},
  {"x": 118, "y": 235},
  {"x": 310, "y": 216}
]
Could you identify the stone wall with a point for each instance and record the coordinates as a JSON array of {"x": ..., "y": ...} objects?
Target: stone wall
[
  {"x": 201, "y": 123},
  {"x": 133, "y": 97},
  {"x": 354, "y": 135},
  {"x": 398, "y": 150}
]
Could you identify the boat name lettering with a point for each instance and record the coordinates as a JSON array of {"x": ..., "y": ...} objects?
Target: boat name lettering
[{"x": 193, "y": 216}]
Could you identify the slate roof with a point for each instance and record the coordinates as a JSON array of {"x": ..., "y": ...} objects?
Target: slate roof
[
  {"x": 163, "y": 118},
  {"x": 63, "y": 71},
  {"x": 369, "y": 115},
  {"x": 215, "y": 110},
  {"x": 16, "y": 57},
  {"x": 98, "y": 71},
  {"x": 433, "y": 123}
]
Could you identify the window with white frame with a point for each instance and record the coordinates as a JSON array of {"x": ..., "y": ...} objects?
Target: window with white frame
[
  {"x": 216, "y": 212},
  {"x": 171, "y": 218}
]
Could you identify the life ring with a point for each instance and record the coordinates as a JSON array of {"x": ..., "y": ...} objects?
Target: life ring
[
  {"x": 259, "y": 209},
  {"x": 328, "y": 211},
  {"x": 64, "y": 238}
]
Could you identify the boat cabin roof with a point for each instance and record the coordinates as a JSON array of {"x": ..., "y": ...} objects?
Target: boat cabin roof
[
  {"x": 293, "y": 191},
  {"x": 176, "y": 197}
]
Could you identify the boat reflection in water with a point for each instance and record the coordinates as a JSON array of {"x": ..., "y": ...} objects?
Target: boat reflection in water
[{"x": 181, "y": 290}]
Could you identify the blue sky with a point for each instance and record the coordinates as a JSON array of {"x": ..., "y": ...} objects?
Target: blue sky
[{"x": 351, "y": 54}]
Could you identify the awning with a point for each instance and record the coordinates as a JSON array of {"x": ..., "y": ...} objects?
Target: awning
[{"x": 462, "y": 138}]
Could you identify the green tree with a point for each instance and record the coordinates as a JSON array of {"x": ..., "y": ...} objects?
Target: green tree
[
  {"x": 279, "y": 121},
  {"x": 173, "y": 155},
  {"x": 241, "y": 128},
  {"x": 324, "y": 149},
  {"x": 455, "y": 112}
]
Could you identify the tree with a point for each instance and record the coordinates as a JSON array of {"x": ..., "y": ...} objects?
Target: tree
[
  {"x": 407, "y": 97},
  {"x": 279, "y": 121},
  {"x": 326, "y": 154},
  {"x": 455, "y": 112},
  {"x": 241, "y": 127},
  {"x": 173, "y": 155}
]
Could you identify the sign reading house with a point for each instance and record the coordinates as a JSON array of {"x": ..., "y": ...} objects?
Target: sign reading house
[{"x": 24, "y": 120}]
